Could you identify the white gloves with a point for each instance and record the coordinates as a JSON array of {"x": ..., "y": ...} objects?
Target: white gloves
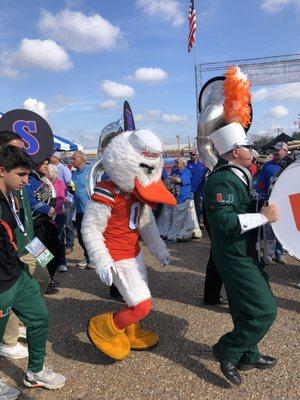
[{"x": 106, "y": 274}]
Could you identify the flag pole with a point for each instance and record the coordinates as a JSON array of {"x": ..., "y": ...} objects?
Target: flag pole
[{"x": 196, "y": 80}]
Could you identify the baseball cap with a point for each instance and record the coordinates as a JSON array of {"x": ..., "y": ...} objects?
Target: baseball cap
[
  {"x": 280, "y": 145},
  {"x": 57, "y": 154}
]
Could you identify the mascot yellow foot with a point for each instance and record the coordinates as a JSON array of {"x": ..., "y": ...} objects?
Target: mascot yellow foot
[
  {"x": 140, "y": 339},
  {"x": 107, "y": 337}
]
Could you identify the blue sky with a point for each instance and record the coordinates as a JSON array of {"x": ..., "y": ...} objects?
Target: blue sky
[{"x": 76, "y": 61}]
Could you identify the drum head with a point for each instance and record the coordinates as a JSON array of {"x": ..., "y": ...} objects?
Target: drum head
[{"x": 286, "y": 195}]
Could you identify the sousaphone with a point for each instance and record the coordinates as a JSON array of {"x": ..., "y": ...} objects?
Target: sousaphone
[
  {"x": 126, "y": 123},
  {"x": 211, "y": 117}
]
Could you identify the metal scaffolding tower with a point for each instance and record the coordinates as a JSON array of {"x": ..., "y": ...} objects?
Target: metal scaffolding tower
[{"x": 260, "y": 71}]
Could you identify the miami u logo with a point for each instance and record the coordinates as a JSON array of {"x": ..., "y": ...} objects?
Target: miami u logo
[
  {"x": 4, "y": 313},
  {"x": 220, "y": 199},
  {"x": 26, "y": 129}
]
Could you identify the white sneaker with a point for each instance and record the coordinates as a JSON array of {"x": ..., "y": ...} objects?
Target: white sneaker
[
  {"x": 8, "y": 392},
  {"x": 16, "y": 352},
  {"x": 62, "y": 268},
  {"x": 22, "y": 333},
  {"x": 82, "y": 263},
  {"x": 89, "y": 266},
  {"x": 45, "y": 378}
]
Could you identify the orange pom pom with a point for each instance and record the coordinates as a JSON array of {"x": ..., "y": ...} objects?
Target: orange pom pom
[{"x": 236, "y": 91}]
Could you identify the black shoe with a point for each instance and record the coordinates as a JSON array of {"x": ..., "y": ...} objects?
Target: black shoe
[
  {"x": 227, "y": 367},
  {"x": 51, "y": 289},
  {"x": 222, "y": 301},
  {"x": 114, "y": 293},
  {"x": 264, "y": 362}
]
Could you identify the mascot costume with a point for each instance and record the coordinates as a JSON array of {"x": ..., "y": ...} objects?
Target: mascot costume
[{"x": 120, "y": 211}]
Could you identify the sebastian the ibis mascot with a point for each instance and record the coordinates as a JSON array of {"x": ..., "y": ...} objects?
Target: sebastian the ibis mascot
[{"x": 119, "y": 212}]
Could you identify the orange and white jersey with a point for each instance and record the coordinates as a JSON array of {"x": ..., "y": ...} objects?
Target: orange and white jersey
[{"x": 121, "y": 233}]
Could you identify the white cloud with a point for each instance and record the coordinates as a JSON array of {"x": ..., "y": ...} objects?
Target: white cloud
[
  {"x": 45, "y": 54},
  {"x": 166, "y": 10},
  {"x": 289, "y": 91},
  {"x": 8, "y": 72},
  {"x": 116, "y": 90},
  {"x": 151, "y": 74},
  {"x": 148, "y": 116},
  {"x": 173, "y": 118},
  {"x": 278, "y": 112},
  {"x": 79, "y": 32},
  {"x": 61, "y": 103},
  {"x": 35, "y": 105},
  {"x": 108, "y": 104},
  {"x": 275, "y": 6}
]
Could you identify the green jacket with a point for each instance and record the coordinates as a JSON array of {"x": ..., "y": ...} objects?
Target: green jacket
[
  {"x": 226, "y": 196},
  {"x": 26, "y": 218}
]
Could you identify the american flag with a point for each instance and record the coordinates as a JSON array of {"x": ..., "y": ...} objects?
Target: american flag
[{"x": 192, "y": 25}]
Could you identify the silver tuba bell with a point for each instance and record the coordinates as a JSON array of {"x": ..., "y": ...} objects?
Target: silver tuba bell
[
  {"x": 211, "y": 118},
  {"x": 107, "y": 134}
]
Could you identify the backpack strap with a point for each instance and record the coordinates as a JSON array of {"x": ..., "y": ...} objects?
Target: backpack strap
[{"x": 9, "y": 233}]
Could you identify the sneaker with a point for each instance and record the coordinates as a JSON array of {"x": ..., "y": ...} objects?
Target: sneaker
[
  {"x": 45, "y": 378},
  {"x": 62, "y": 268},
  {"x": 82, "y": 263},
  {"x": 15, "y": 352},
  {"x": 51, "y": 289},
  {"x": 68, "y": 250},
  {"x": 8, "y": 392},
  {"x": 90, "y": 266},
  {"x": 22, "y": 333},
  {"x": 280, "y": 260}
]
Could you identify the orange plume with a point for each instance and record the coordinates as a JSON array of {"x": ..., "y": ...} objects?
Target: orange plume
[{"x": 236, "y": 91}]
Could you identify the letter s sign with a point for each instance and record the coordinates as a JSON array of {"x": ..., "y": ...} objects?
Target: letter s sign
[{"x": 25, "y": 129}]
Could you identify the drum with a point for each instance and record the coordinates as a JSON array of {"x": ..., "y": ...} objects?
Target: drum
[{"x": 285, "y": 193}]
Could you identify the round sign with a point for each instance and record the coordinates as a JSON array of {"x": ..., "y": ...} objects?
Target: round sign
[
  {"x": 285, "y": 194},
  {"x": 34, "y": 130}
]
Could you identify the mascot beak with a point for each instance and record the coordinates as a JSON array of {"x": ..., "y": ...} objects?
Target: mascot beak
[{"x": 154, "y": 193}]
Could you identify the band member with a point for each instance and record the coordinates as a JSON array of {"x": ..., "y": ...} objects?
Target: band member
[{"x": 232, "y": 220}]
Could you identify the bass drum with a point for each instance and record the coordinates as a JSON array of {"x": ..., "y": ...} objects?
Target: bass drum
[{"x": 285, "y": 193}]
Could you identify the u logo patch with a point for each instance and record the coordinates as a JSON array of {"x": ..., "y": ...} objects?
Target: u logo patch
[
  {"x": 5, "y": 312},
  {"x": 220, "y": 199}
]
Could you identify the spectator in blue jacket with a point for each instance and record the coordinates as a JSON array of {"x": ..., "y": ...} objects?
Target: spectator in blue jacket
[
  {"x": 267, "y": 173},
  {"x": 42, "y": 199},
  {"x": 81, "y": 198},
  {"x": 179, "y": 212},
  {"x": 198, "y": 174}
]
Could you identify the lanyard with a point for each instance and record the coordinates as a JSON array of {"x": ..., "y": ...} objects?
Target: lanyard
[
  {"x": 13, "y": 208},
  {"x": 12, "y": 205}
]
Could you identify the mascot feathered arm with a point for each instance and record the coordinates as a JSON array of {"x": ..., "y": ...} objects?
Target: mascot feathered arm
[
  {"x": 150, "y": 235},
  {"x": 93, "y": 225}
]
